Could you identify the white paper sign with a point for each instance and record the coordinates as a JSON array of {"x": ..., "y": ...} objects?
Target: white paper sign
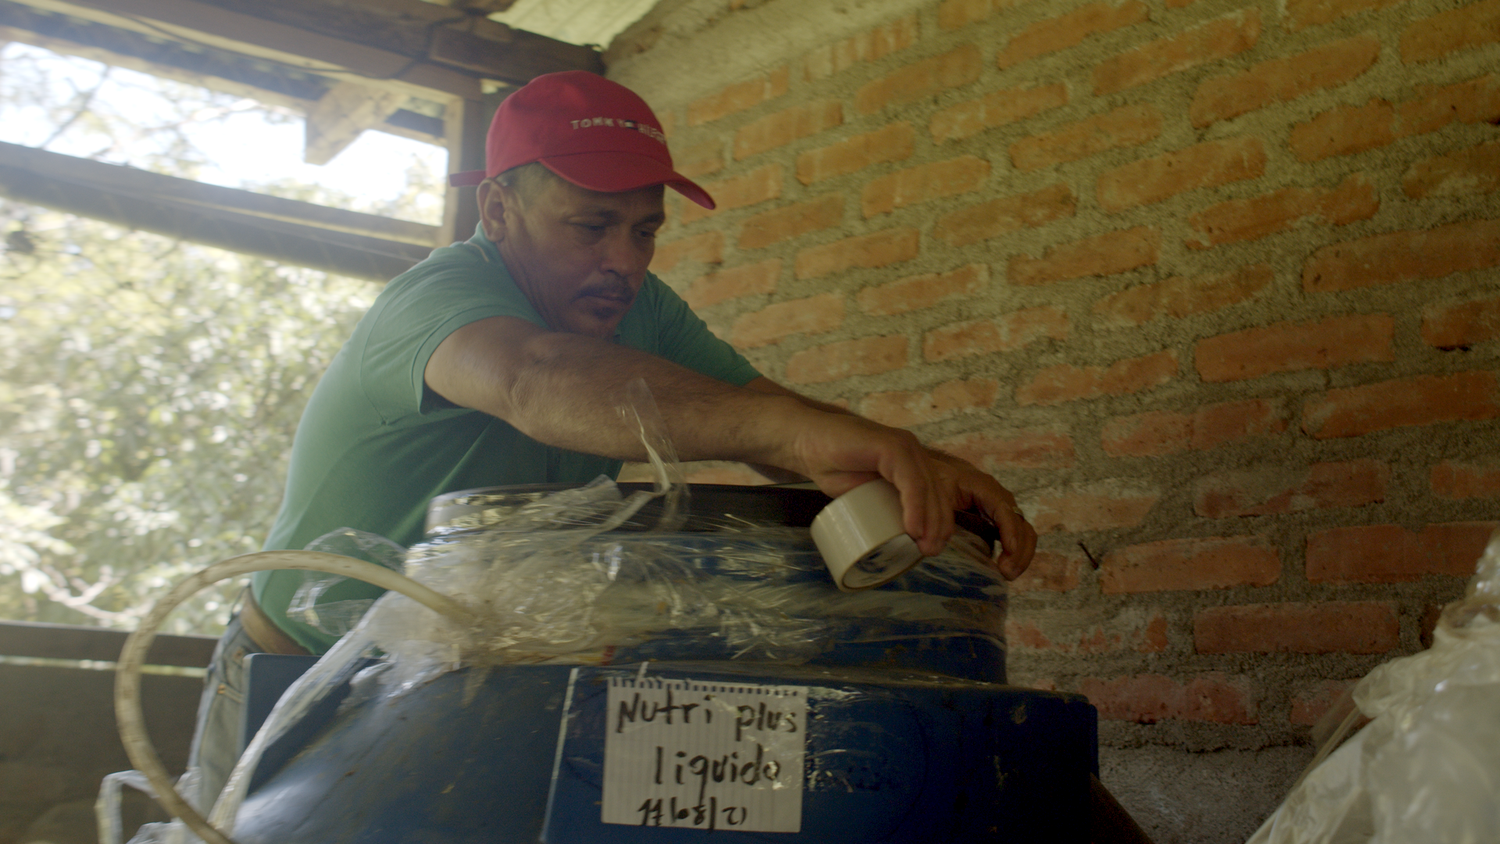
[{"x": 703, "y": 755}]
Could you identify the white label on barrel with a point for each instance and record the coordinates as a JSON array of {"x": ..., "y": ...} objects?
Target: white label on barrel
[{"x": 703, "y": 755}]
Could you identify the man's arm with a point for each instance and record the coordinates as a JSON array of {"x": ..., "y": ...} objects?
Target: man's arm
[{"x": 565, "y": 389}]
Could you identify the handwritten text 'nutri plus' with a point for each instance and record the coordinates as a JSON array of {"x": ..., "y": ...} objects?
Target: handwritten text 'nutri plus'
[{"x": 703, "y": 755}]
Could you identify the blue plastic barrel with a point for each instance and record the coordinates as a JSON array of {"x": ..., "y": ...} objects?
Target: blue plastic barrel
[{"x": 895, "y": 732}]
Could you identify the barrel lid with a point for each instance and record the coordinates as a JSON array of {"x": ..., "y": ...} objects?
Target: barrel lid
[{"x": 709, "y": 505}]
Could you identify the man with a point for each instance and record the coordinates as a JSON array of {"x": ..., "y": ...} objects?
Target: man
[{"x": 502, "y": 361}]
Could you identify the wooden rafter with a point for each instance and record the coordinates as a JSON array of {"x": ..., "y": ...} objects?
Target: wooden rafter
[
  {"x": 407, "y": 45},
  {"x": 331, "y": 239},
  {"x": 419, "y": 69}
]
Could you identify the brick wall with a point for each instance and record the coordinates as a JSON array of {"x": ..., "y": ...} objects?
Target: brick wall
[{"x": 1213, "y": 285}]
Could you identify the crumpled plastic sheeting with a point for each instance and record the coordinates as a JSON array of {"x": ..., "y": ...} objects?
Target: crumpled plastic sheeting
[
  {"x": 1427, "y": 766},
  {"x": 339, "y": 617},
  {"x": 547, "y": 588}
]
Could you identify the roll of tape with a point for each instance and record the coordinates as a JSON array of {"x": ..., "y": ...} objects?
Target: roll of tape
[{"x": 861, "y": 537}]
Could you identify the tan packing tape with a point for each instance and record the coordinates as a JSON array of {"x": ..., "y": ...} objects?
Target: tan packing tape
[{"x": 861, "y": 538}]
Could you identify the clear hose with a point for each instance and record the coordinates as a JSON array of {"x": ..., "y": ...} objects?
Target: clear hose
[{"x": 128, "y": 713}]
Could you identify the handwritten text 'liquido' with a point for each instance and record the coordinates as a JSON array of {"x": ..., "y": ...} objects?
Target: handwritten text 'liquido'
[{"x": 714, "y": 746}]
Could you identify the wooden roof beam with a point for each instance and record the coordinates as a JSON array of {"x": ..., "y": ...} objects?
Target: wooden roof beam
[
  {"x": 285, "y": 230},
  {"x": 452, "y": 51}
]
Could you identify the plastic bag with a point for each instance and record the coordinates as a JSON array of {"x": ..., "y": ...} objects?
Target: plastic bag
[
  {"x": 107, "y": 810},
  {"x": 1427, "y": 766}
]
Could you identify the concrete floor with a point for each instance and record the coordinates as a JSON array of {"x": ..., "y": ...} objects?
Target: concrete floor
[{"x": 1219, "y": 797}]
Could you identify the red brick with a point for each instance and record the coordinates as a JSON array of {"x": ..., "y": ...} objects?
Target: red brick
[
  {"x": 865, "y": 356},
  {"x": 1126, "y": 126},
  {"x": 1462, "y": 325},
  {"x": 1069, "y": 30},
  {"x": 1454, "y": 479},
  {"x": 1151, "y": 434},
  {"x": 1467, "y": 172},
  {"x": 889, "y": 143},
  {"x": 880, "y": 249},
  {"x": 1189, "y": 565},
  {"x": 922, "y": 291},
  {"x": 1051, "y": 571},
  {"x": 813, "y": 315},
  {"x": 953, "y": 14},
  {"x": 1062, "y": 383},
  {"x": 1167, "y": 432},
  {"x": 1436, "y": 106},
  {"x": 1404, "y": 256},
  {"x": 1393, "y": 554},
  {"x": 867, "y": 46},
  {"x": 789, "y": 221},
  {"x": 904, "y": 409},
  {"x": 1301, "y": 14},
  {"x": 925, "y": 78},
  {"x": 1289, "y": 347},
  {"x": 1352, "y": 129},
  {"x": 1089, "y": 633},
  {"x": 1404, "y": 402},
  {"x": 923, "y": 183},
  {"x": 1179, "y": 296},
  {"x": 700, "y": 159},
  {"x": 996, "y": 108},
  {"x": 1344, "y": 131},
  {"x": 1285, "y": 489},
  {"x": 739, "y": 97},
  {"x": 1204, "y": 165},
  {"x": 1104, "y": 254},
  {"x": 1149, "y": 698},
  {"x": 1280, "y": 80},
  {"x": 784, "y": 127},
  {"x": 986, "y": 336},
  {"x": 1448, "y": 32},
  {"x": 706, "y": 248},
  {"x": 1014, "y": 450},
  {"x": 1357, "y": 627},
  {"x": 1238, "y": 420},
  {"x": 749, "y": 280},
  {"x": 1310, "y": 704},
  {"x": 1217, "y": 39},
  {"x": 1099, "y": 506},
  {"x": 762, "y": 184},
  {"x": 1004, "y": 215},
  {"x": 1251, "y": 219}
]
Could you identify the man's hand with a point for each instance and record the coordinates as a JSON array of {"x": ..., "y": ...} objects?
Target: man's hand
[{"x": 839, "y": 451}]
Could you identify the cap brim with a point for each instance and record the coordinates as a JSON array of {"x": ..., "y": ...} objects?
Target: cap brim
[
  {"x": 466, "y": 179},
  {"x": 613, "y": 172}
]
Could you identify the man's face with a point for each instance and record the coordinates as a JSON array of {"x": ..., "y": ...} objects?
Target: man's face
[{"x": 579, "y": 256}]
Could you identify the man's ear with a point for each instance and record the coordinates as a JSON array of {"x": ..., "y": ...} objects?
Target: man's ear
[{"x": 492, "y": 197}]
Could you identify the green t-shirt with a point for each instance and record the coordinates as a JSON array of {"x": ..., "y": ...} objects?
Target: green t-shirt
[{"x": 375, "y": 445}]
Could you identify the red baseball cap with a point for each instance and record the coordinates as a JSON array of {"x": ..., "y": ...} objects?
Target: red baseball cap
[{"x": 592, "y": 132}]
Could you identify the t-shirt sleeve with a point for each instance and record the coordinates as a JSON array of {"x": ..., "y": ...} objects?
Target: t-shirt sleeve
[
  {"x": 415, "y": 318},
  {"x": 685, "y": 339}
]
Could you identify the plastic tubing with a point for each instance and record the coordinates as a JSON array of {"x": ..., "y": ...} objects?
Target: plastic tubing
[{"x": 128, "y": 713}]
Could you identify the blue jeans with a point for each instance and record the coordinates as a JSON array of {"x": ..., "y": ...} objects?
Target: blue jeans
[{"x": 217, "y": 739}]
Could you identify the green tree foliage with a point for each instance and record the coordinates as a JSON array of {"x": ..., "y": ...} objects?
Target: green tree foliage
[
  {"x": 149, "y": 396},
  {"x": 149, "y": 390}
]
